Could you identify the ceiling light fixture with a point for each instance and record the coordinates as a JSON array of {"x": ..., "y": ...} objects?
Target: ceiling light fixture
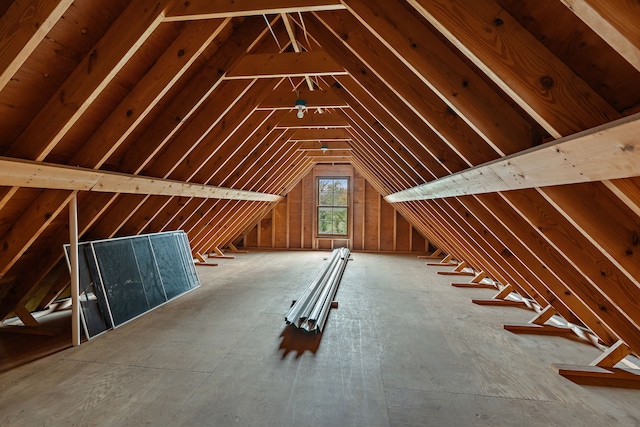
[{"x": 301, "y": 105}]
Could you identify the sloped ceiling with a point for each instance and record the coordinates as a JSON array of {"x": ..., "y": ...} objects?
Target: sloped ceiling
[{"x": 419, "y": 95}]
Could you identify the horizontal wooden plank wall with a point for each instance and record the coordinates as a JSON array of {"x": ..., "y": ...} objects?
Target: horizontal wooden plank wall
[{"x": 375, "y": 225}]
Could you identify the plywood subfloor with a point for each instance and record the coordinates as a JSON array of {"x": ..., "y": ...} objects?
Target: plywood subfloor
[{"x": 403, "y": 349}]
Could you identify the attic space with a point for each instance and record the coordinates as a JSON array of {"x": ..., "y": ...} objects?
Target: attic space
[{"x": 491, "y": 145}]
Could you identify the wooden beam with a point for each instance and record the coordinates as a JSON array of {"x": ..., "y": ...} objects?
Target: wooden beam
[
  {"x": 86, "y": 82},
  {"x": 549, "y": 91},
  {"x": 199, "y": 142},
  {"x": 291, "y": 31},
  {"x": 144, "y": 97},
  {"x": 600, "y": 273},
  {"x": 437, "y": 254},
  {"x": 440, "y": 68},
  {"x": 314, "y": 99},
  {"x": 209, "y": 9},
  {"x": 290, "y": 168},
  {"x": 597, "y": 376},
  {"x": 609, "y": 151},
  {"x": 114, "y": 130},
  {"x": 394, "y": 110},
  {"x": 545, "y": 314},
  {"x": 208, "y": 82},
  {"x": 385, "y": 103},
  {"x": 313, "y": 121},
  {"x": 288, "y": 64},
  {"x": 615, "y": 22},
  {"x": 436, "y": 149},
  {"x": 328, "y": 152},
  {"x": 334, "y": 134},
  {"x": 232, "y": 161},
  {"x": 278, "y": 163},
  {"x": 374, "y": 120},
  {"x": 534, "y": 329},
  {"x": 472, "y": 285},
  {"x": 547, "y": 281},
  {"x": 25, "y": 173},
  {"x": 92, "y": 75},
  {"x": 490, "y": 251},
  {"x": 612, "y": 356},
  {"x": 331, "y": 159},
  {"x": 23, "y": 26},
  {"x": 386, "y": 77},
  {"x": 317, "y": 145},
  {"x": 196, "y": 92},
  {"x": 25, "y": 316}
]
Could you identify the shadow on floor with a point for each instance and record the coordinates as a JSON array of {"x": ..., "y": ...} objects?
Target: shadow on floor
[
  {"x": 18, "y": 348},
  {"x": 299, "y": 341}
]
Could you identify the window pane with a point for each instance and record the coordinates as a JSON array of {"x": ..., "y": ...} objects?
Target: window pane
[
  {"x": 325, "y": 199},
  {"x": 339, "y": 220},
  {"x": 340, "y": 192},
  {"x": 325, "y": 220}
]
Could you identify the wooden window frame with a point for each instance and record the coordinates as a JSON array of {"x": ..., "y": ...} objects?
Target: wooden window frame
[{"x": 348, "y": 207}]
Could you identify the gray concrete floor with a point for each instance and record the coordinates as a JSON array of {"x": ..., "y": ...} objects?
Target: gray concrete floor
[{"x": 403, "y": 349}]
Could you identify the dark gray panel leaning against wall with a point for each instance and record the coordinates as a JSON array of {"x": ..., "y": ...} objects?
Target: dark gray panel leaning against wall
[
  {"x": 167, "y": 252},
  {"x": 121, "y": 279},
  {"x": 149, "y": 272}
]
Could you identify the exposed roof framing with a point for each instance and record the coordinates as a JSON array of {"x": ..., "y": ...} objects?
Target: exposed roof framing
[
  {"x": 504, "y": 131},
  {"x": 24, "y": 173}
]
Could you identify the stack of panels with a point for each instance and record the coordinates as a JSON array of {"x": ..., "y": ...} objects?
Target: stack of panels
[
  {"x": 312, "y": 308},
  {"x": 123, "y": 278}
]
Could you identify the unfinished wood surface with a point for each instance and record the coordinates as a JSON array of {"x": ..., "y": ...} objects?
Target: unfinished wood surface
[
  {"x": 403, "y": 94},
  {"x": 616, "y": 23},
  {"x": 292, "y": 64},
  {"x": 358, "y": 219},
  {"x": 536, "y": 67},
  {"x": 22, "y": 173},
  {"x": 602, "y": 153},
  {"x": 329, "y": 145},
  {"x": 313, "y": 99},
  {"x": 444, "y": 387},
  {"x": 204, "y": 9},
  {"x": 444, "y": 72},
  {"x": 313, "y": 121},
  {"x": 597, "y": 376},
  {"x": 22, "y": 28}
]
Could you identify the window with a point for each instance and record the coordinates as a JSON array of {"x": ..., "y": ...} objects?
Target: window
[{"x": 333, "y": 203}]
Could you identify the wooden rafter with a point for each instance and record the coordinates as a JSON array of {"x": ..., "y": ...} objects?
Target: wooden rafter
[
  {"x": 329, "y": 153},
  {"x": 314, "y": 99},
  {"x": 444, "y": 72},
  {"x": 206, "y": 9},
  {"x": 22, "y": 28},
  {"x": 324, "y": 121},
  {"x": 289, "y": 64},
  {"x": 320, "y": 135},
  {"x": 329, "y": 145},
  {"x": 615, "y": 22},
  {"x": 291, "y": 31}
]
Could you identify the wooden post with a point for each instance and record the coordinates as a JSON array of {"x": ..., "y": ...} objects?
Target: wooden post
[{"x": 75, "y": 272}]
